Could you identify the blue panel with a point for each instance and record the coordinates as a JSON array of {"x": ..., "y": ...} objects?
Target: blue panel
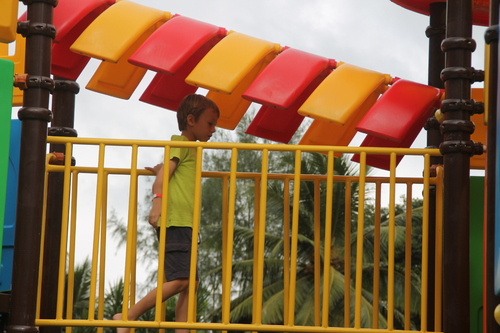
[{"x": 10, "y": 206}]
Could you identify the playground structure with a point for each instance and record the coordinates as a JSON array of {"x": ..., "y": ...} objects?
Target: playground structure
[{"x": 341, "y": 98}]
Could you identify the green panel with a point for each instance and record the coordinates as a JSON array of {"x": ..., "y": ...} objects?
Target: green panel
[
  {"x": 6, "y": 88},
  {"x": 476, "y": 253}
]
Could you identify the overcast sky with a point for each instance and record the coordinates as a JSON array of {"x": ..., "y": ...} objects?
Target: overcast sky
[{"x": 374, "y": 34}]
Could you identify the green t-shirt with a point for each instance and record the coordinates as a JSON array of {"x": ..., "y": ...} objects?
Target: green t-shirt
[{"x": 181, "y": 187}]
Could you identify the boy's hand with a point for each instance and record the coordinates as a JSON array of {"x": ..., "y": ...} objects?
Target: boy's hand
[
  {"x": 155, "y": 169},
  {"x": 155, "y": 213}
]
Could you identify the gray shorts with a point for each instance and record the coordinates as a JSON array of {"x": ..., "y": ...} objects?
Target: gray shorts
[{"x": 178, "y": 253}]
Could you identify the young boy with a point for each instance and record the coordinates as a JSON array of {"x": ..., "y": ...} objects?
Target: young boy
[{"x": 196, "y": 117}]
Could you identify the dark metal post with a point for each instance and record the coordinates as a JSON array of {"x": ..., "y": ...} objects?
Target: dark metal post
[
  {"x": 436, "y": 32},
  {"x": 35, "y": 115},
  {"x": 491, "y": 301},
  {"x": 63, "y": 107},
  {"x": 457, "y": 149}
]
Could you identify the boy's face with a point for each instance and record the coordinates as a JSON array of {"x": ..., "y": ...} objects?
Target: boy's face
[{"x": 204, "y": 127}]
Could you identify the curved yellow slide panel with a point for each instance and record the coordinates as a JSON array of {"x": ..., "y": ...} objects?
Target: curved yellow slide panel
[
  {"x": 116, "y": 30},
  {"x": 8, "y": 20},
  {"x": 18, "y": 58}
]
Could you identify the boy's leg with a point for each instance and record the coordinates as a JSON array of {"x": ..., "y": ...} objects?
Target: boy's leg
[
  {"x": 181, "y": 308},
  {"x": 169, "y": 289}
]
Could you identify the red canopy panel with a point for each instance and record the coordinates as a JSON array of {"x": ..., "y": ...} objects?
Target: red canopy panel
[
  {"x": 173, "y": 51},
  {"x": 282, "y": 87},
  {"x": 396, "y": 119},
  {"x": 401, "y": 111},
  {"x": 71, "y": 18}
]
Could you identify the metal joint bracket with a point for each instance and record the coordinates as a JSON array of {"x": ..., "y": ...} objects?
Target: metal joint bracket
[
  {"x": 67, "y": 85},
  {"x": 469, "y": 105},
  {"x": 468, "y": 73},
  {"x": 62, "y": 131},
  {"x": 27, "y": 28},
  {"x": 464, "y": 43},
  {"x": 20, "y": 81},
  {"x": 491, "y": 34},
  {"x": 39, "y": 81},
  {"x": 432, "y": 31},
  {"x": 431, "y": 123},
  {"x": 478, "y": 108},
  {"x": 455, "y": 146},
  {"x": 454, "y": 125},
  {"x": 33, "y": 112},
  {"x": 457, "y": 105},
  {"x": 57, "y": 158},
  {"x": 433, "y": 171}
]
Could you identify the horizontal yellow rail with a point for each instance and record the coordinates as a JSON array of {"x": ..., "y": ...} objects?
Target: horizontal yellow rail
[{"x": 244, "y": 146}]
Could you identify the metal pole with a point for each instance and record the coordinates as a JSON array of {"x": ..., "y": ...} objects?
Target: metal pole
[
  {"x": 491, "y": 301},
  {"x": 63, "y": 107},
  {"x": 35, "y": 115},
  {"x": 457, "y": 149},
  {"x": 436, "y": 33}
]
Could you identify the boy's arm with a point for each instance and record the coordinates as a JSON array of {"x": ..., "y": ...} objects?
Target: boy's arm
[{"x": 154, "y": 214}]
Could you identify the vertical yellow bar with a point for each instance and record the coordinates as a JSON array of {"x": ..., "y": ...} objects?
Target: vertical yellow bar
[
  {"x": 163, "y": 234},
  {"x": 132, "y": 223},
  {"x": 376, "y": 256},
  {"x": 392, "y": 229},
  {"x": 228, "y": 255},
  {"x": 71, "y": 253},
  {"x": 194, "y": 241},
  {"x": 347, "y": 255},
  {"x": 359, "y": 242},
  {"x": 256, "y": 258},
  {"x": 328, "y": 239},
  {"x": 225, "y": 209},
  {"x": 257, "y": 316},
  {"x": 42, "y": 240},
  {"x": 102, "y": 256},
  {"x": 438, "y": 286},
  {"x": 295, "y": 232},
  {"x": 97, "y": 223},
  {"x": 425, "y": 244},
  {"x": 64, "y": 230},
  {"x": 317, "y": 253},
  {"x": 286, "y": 250},
  {"x": 408, "y": 264}
]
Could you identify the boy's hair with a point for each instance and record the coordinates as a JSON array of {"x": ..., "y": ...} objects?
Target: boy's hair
[{"x": 193, "y": 104}]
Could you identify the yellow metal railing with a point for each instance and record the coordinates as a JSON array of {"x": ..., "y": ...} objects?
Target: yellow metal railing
[{"x": 385, "y": 189}]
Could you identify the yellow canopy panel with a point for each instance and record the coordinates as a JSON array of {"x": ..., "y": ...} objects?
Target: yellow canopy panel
[
  {"x": 342, "y": 94},
  {"x": 321, "y": 132},
  {"x": 231, "y": 60},
  {"x": 117, "y": 29},
  {"x": 18, "y": 58},
  {"x": 8, "y": 20},
  {"x": 118, "y": 79},
  {"x": 227, "y": 71}
]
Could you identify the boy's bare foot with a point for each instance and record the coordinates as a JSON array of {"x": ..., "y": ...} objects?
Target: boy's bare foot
[{"x": 118, "y": 316}]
